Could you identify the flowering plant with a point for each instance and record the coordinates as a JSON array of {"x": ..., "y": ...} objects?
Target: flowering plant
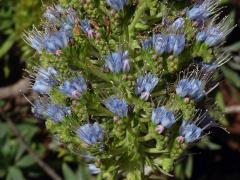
[{"x": 125, "y": 83}]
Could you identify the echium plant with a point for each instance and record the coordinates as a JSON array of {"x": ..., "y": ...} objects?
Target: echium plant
[{"x": 126, "y": 83}]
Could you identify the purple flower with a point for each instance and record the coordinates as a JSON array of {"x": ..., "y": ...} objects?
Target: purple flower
[
  {"x": 145, "y": 84},
  {"x": 118, "y": 61},
  {"x": 74, "y": 88},
  {"x": 90, "y": 133},
  {"x": 116, "y": 106}
]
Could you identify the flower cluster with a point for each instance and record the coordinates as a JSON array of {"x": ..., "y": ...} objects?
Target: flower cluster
[
  {"x": 128, "y": 93},
  {"x": 50, "y": 39}
]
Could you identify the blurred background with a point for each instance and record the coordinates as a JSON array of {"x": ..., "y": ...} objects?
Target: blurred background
[{"x": 27, "y": 151}]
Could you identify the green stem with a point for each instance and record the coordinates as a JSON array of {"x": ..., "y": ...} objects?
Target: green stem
[
  {"x": 137, "y": 15},
  {"x": 148, "y": 137},
  {"x": 154, "y": 151}
]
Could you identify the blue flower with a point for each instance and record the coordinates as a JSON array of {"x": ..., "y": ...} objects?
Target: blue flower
[
  {"x": 193, "y": 88},
  {"x": 116, "y": 106},
  {"x": 179, "y": 44},
  {"x": 214, "y": 36},
  {"x": 50, "y": 41},
  {"x": 86, "y": 27},
  {"x": 163, "y": 118},
  {"x": 177, "y": 24},
  {"x": 90, "y": 133},
  {"x": 68, "y": 24},
  {"x": 42, "y": 109},
  {"x": 175, "y": 44},
  {"x": 74, "y": 88},
  {"x": 202, "y": 11},
  {"x": 145, "y": 84},
  {"x": 117, "y": 4},
  {"x": 93, "y": 169},
  {"x": 55, "y": 41},
  {"x": 45, "y": 79},
  {"x": 201, "y": 36},
  {"x": 53, "y": 14},
  {"x": 147, "y": 43},
  {"x": 209, "y": 67},
  {"x": 118, "y": 61},
  {"x": 189, "y": 132},
  {"x": 35, "y": 39},
  {"x": 160, "y": 42}
]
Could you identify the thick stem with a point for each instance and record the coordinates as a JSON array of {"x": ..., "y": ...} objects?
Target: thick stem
[
  {"x": 140, "y": 9},
  {"x": 148, "y": 137}
]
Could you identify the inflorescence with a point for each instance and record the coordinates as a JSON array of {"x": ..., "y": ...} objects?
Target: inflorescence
[{"x": 127, "y": 97}]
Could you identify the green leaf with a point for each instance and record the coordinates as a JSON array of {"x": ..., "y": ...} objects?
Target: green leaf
[
  {"x": 7, "y": 45},
  {"x": 83, "y": 173},
  {"x": 25, "y": 161},
  {"x": 205, "y": 143},
  {"x": 232, "y": 76},
  {"x": 189, "y": 167},
  {"x": 27, "y": 130},
  {"x": 2, "y": 103},
  {"x": 233, "y": 47},
  {"x": 3, "y": 130},
  {"x": 68, "y": 173},
  {"x": 20, "y": 152},
  {"x": 15, "y": 173}
]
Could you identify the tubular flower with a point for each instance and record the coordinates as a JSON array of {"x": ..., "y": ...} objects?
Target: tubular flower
[
  {"x": 189, "y": 132},
  {"x": 145, "y": 84},
  {"x": 214, "y": 34},
  {"x": 147, "y": 43},
  {"x": 176, "y": 44},
  {"x": 50, "y": 41},
  {"x": 192, "y": 88},
  {"x": 177, "y": 24},
  {"x": 55, "y": 112},
  {"x": 45, "y": 79},
  {"x": 90, "y": 133},
  {"x": 118, "y": 61},
  {"x": 74, "y": 88},
  {"x": 116, "y": 106},
  {"x": 53, "y": 14},
  {"x": 160, "y": 42},
  {"x": 163, "y": 118},
  {"x": 86, "y": 27},
  {"x": 117, "y": 4},
  {"x": 202, "y": 11}
]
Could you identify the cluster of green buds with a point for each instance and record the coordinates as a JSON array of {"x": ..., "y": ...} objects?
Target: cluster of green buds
[{"x": 126, "y": 83}]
